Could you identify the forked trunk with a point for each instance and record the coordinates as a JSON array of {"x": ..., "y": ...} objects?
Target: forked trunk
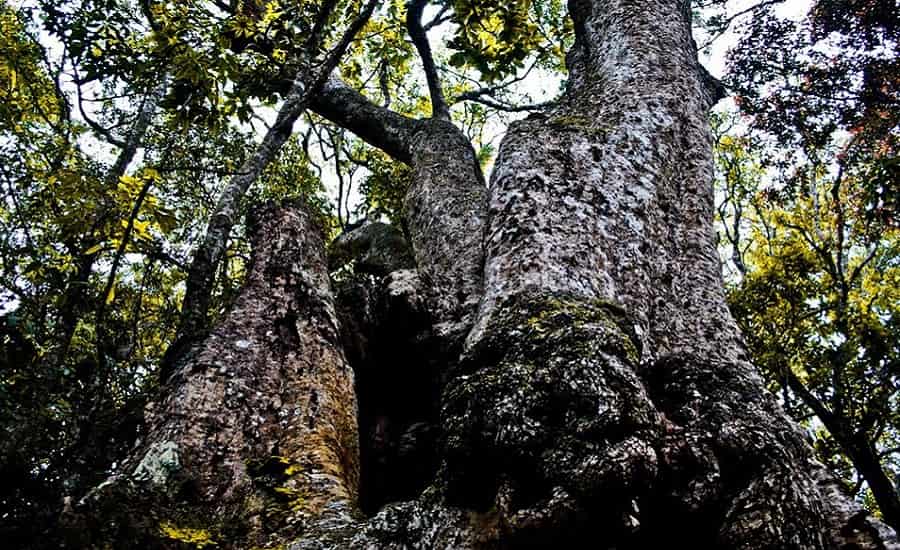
[{"x": 602, "y": 398}]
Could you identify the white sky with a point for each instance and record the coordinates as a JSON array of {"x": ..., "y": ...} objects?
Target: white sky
[{"x": 715, "y": 62}]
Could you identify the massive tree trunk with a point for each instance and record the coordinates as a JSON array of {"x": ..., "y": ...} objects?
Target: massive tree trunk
[{"x": 594, "y": 389}]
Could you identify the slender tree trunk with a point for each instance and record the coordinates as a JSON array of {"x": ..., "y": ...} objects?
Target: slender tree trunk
[
  {"x": 206, "y": 260},
  {"x": 867, "y": 463},
  {"x": 201, "y": 275}
]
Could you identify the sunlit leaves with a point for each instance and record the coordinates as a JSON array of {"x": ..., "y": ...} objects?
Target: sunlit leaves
[
  {"x": 818, "y": 298},
  {"x": 497, "y": 38},
  {"x": 26, "y": 91}
]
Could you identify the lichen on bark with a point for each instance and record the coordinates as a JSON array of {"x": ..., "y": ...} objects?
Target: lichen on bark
[
  {"x": 552, "y": 414},
  {"x": 569, "y": 320},
  {"x": 255, "y": 433}
]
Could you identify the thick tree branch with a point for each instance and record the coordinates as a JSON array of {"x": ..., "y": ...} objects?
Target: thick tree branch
[{"x": 378, "y": 126}]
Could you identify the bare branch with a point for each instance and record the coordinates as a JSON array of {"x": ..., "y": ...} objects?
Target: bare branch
[
  {"x": 439, "y": 19},
  {"x": 734, "y": 17},
  {"x": 105, "y": 133},
  {"x": 504, "y": 106},
  {"x": 419, "y": 37}
]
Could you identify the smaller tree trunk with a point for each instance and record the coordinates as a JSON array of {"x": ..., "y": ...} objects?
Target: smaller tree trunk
[
  {"x": 446, "y": 210},
  {"x": 446, "y": 206},
  {"x": 865, "y": 460},
  {"x": 256, "y": 436},
  {"x": 201, "y": 275}
]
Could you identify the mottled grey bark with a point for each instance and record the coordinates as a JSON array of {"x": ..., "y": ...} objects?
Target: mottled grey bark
[
  {"x": 603, "y": 398},
  {"x": 606, "y": 203},
  {"x": 446, "y": 206},
  {"x": 604, "y": 394},
  {"x": 446, "y": 211},
  {"x": 199, "y": 284},
  {"x": 256, "y": 437}
]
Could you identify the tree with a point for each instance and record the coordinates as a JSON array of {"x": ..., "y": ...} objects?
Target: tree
[
  {"x": 565, "y": 326},
  {"x": 816, "y": 298},
  {"x": 810, "y": 219}
]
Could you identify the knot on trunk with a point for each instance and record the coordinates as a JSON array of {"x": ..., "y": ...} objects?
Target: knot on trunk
[
  {"x": 729, "y": 457},
  {"x": 375, "y": 248},
  {"x": 554, "y": 422}
]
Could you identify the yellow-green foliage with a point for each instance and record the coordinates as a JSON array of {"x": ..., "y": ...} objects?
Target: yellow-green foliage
[
  {"x": 497, "y": 37},
  {"x": 816, "y": 291},
  {"x": 26, "y": 92}
]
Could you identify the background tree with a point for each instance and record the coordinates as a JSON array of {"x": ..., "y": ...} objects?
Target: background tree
[
  {"x": 100, "y": 205},
  {"x": 809, "y": 218}
]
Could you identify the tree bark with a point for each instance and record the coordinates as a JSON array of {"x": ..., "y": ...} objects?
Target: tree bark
[
  {"x": 866, "y": 461},
  {"x": 446, "y": 206},
  {"x": 206, "y": 259},
  {"x": 205, "y": 263},
  {"x": 256, "y": 438},
  {"x": 604, "y": 382},
  {"x": 600, "y": 217},
  {"x": 602, "y": 396}
]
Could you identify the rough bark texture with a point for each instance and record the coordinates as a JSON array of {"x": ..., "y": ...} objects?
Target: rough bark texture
[
  {"x": 446, "y": 209},
  {"x": 446, "y": 206},
  {"x": 608, "y": 201},
  {"x": 602, "y": 398},
  {"x": 255, "y": 438},
  {"x": 605, "y": 394},
  {"x": 205, "y": 263}
]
